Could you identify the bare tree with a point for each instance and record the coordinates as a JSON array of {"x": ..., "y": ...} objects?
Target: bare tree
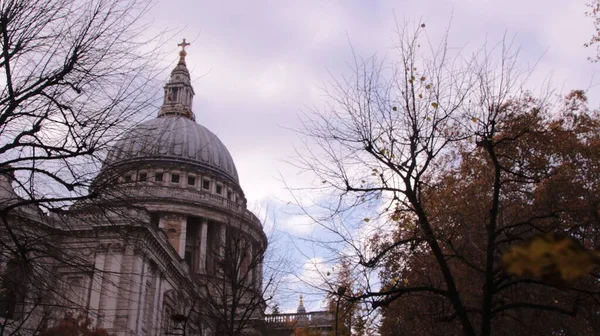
[
  {"x": 234, "y": 293},
  {"x": 385, "y": 151},
  {"x": 75, "y": 75},
  {"x": 593, "y": 12}
]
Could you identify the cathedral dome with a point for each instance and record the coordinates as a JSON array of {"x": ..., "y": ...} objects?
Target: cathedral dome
[{"x": 176, "y": 139}]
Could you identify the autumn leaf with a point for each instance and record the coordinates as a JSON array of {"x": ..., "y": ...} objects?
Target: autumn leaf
[
  {"x": 434, "y": 105},
  {"x": 394, "y": 108},
  {"x": 428, "y": 86},
  {"x": 550, "y": 257},
  {"x": 367, "y": 220}
]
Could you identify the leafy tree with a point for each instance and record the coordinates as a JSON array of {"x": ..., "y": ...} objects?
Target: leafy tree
[
  {"x": 455, "y": 162},
  {"x": 540, "y": 193}
]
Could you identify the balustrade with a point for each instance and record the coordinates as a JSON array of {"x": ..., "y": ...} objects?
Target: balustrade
[{"x": 200, "y": 196}]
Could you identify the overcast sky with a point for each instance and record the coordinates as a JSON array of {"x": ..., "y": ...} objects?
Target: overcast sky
[{"x": 258, "y": 64}]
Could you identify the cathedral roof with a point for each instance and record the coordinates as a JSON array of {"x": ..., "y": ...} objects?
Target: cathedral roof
[
  {"x": 174, "y": 136},
  {"x": 174, "y": 139}
]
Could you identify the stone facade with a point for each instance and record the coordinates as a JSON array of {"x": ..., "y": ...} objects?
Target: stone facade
[{"x": 138, "y": 259}]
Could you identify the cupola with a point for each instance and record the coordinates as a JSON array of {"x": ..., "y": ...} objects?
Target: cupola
[{"x": 179, "y": 93}]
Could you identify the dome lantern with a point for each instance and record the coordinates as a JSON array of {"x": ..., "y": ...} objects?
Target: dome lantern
[{"x": 179, "y": 93}]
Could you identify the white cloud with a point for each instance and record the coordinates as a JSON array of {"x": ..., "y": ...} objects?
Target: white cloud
[
  {"x": 309, "y": 280},
  {"x": 258, "y": 64},
  {"x": 299, "y": 224}
]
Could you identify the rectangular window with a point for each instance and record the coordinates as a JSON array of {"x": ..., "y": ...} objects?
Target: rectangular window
[
  {"x": 127, "y": 178},
  {"x": 205, "y": 184},
  {"x": 142, "y": 177},
  {"x": 174, "y": 94},
  {"x": 191, "y": 180},
  {"x": 219, "y": 189},
  {"x": 229, "y": 195},
  {"x": 175, "y": 178},
  {"x": 188, "y": 258},
  {"x": 158, "y": 177}
]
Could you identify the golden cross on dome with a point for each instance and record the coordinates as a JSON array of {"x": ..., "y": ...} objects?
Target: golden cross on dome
[{"x": 183, "y": 45}]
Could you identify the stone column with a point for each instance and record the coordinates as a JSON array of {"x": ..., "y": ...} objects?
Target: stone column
[
  {"x": 112, "y": 280},
  {"x": 157, "y": 309},
  {"x": 141, "y": 307},
  {"x": 222, "y": 239},
  {"x": 203, "y": 245},
  {"x": 182, "y": 236},
  {"x": 96, "y": 285},
  {"x": 125, "y": 288},
  {"x": 135, "y": 292},
  {"x": 251, "y": 258}
]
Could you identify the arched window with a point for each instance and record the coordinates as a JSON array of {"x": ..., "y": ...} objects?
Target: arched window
[{"x": 13, "y": 290}]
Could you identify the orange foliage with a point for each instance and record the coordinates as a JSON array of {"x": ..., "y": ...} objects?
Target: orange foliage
[
  {"x": 74, "y": 326},
  {"x": 550, "y": 182}
]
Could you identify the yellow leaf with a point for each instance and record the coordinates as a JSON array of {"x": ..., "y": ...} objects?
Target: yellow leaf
[
  {"x": 550, "y": 257},
  {"x": 394, "y": 108},
  {"x": 420, "y": 95},
  {"x": 475, "y": 119},
  {"x": 405, "y": 281},
  {"x": 428, "y": 86},
  {"x": 435, "y": 105},
  {"x": 367, "y": 220}
]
